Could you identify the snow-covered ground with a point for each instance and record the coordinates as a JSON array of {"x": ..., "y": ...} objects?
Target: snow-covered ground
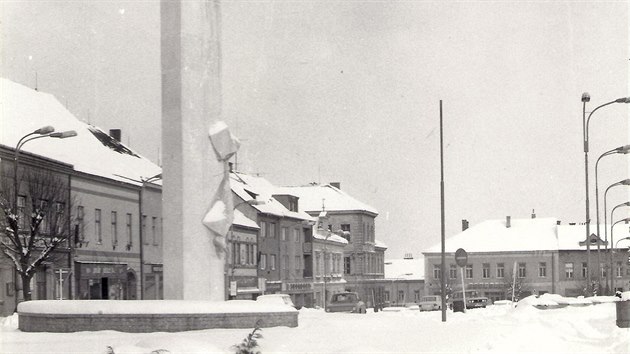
[{"x": 575, "y": 328}]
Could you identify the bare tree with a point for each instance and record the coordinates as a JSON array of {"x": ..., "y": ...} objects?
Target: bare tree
[
  {"x": 36, "y": 222},
  {"x": 518, "y": 284}
]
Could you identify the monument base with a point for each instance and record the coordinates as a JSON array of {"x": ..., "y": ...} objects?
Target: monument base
[{"x": 144, "y": 316}]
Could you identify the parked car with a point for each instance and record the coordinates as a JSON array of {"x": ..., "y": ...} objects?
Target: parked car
[
  {"x": 346, "y": 302},
  {"x": 473, "y": 300},
  {"x": 430, "y": 303},
  {"x": 276, "y": 299}
]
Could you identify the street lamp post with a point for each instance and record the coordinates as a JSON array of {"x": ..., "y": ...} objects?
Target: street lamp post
[
  {"x": 612, "y": 251},
  {"x": 620, "y": 150},
  {"x": 43, "y": 132},
  {"x": 625, "y": 182},
  {"x": 585, "y": 121}
]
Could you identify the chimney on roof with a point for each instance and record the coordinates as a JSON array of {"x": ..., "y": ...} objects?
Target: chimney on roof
[
  {"x": 464, "y": 224},
  {"x": 408, "y": 256},
  {"x": 508, "y": 221},
  {"x": 336, "y": 184},
  {"x": 558, "y": 222},
  {"x": 533, "y": 214},
  {"x": 231, "y": 166},
  {"x": 115, "y": 134}
]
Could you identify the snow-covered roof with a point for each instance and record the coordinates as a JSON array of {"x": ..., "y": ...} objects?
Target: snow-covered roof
[
  {"x": 24, "y": 110},
  {"x": 334, "y": 199},
  {"x": 407, "y": 269},
  {"x": 537, "y": 234},
  {"x": 241, "y": 220},
  {"x": 250, "y": 187},
  {"x": 379, "y": 244},
  {"x": 332, "y": 237},
  {"x": 570, "y": 236}
]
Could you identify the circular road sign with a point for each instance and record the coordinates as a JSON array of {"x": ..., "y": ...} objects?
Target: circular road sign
[{"x": 461, "y": 257}]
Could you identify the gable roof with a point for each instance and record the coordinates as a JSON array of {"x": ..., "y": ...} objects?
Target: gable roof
[
  {"x": 24, "y": 110},
  {"x": 334, "y": 199},
  {"x": 249, "y": 187}
]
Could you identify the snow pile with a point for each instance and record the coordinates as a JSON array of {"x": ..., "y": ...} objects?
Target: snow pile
[{"x": 496, "y": 329}]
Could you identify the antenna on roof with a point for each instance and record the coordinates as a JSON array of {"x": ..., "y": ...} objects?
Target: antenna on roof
[
  {"x": 323, "y": 204},
  {"x": 36, "y": 81}
]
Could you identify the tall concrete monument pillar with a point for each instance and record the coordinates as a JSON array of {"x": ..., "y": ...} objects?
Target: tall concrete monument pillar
[{"x": 191, "y": 104}]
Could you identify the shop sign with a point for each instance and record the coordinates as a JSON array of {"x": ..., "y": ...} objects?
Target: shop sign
[
  {"x": 102, "y": 270},
  {"x": 297, "y": 287}
]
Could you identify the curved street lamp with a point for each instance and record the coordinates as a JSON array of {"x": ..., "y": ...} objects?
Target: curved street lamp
[
  {"x": 625, "y": 182},
  {"x": 612, "y": 212},
  {"x": 612, "y": 250},
  {"x": 620, "y": 150},
  {"x": 621, "y": 239},
  {"x": 585, "y": 121},
  {"x": 43, "y": 132}
]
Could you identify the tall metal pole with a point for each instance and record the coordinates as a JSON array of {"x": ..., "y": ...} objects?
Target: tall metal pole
[
  {"x": 585, "y": 98},
  {"x": 443, "y": 266}
]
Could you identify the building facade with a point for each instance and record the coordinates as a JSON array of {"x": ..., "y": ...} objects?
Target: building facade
[
  {"x": 524, "y": 257},
  {"x": 52, "y": 279},
  {"x": 363, "y": 255}
]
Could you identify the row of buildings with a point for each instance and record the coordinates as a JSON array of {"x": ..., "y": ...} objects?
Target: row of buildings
[{"x": 308, "y": 241}]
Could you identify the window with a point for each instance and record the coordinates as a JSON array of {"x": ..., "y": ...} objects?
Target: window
[
  {"x": 272, "y": 230},
  {"x": 500, "y": 270},
  {"x": 401, "y": 296},
  {"x": 416, "y": 295},
  {"x": 272, "y": 262},
  {"x": 602, "y": 269},
  {"x": 263, "y": 229},
  {"x": 568, "y": 270},
  {"x": 618, "y": 270},
  {"x": 144, "y": 230},
  {"x": 346, "y": 265},
  {"x": 584, "y": 269},
  {"x": 522, "y": 270},
  {"x": 486, "y": 271},
  {"x": 59, "y": 220},
  {"x": 21, "y": 207},
  {"x": 97, "y": 225},
  {"x": 44, "y": 227},
  {"x": 452, "y": 272},
  {"x": 154, "y": 230},
  {"x": 346, "y": 228},
  {"x": 317, "y": 262},
  {"x": 296, "y": 235},
  {"x": 386, "y": 295},
  {"x": 469, "y": 271},
  {"x": 542, "y": 269},
  {"x": 284, "y": 233},
  {"x": 114, "y": 228},
  {"x": 298, "y": 262},
  {"x": 263, "y": 261},
  {"x": 128, "y": 231},
  {"x": 80, "y": 226},
  {"x": 437, "y": 274}
]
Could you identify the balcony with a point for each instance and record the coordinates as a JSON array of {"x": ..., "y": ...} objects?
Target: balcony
[{"x": 307, "y": 247}]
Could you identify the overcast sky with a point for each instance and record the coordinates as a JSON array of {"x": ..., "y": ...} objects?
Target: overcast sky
[{"x": 349, "y": 91}]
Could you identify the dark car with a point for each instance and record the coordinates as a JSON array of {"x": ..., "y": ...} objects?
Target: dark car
[
  {"x": 346, "y": 302},
  {"x": 473, "y": 300}
]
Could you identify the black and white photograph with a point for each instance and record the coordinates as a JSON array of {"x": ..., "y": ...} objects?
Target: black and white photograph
[{"x": 314, "y": 176}]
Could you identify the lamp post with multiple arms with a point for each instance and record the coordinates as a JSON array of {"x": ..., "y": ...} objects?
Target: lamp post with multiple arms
[
  {"x": 612, "y": 251},
  {"x": 625, "y": 182},
  {"x": 585, "y": 121},
  {"x": 620, "y": 150}
]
